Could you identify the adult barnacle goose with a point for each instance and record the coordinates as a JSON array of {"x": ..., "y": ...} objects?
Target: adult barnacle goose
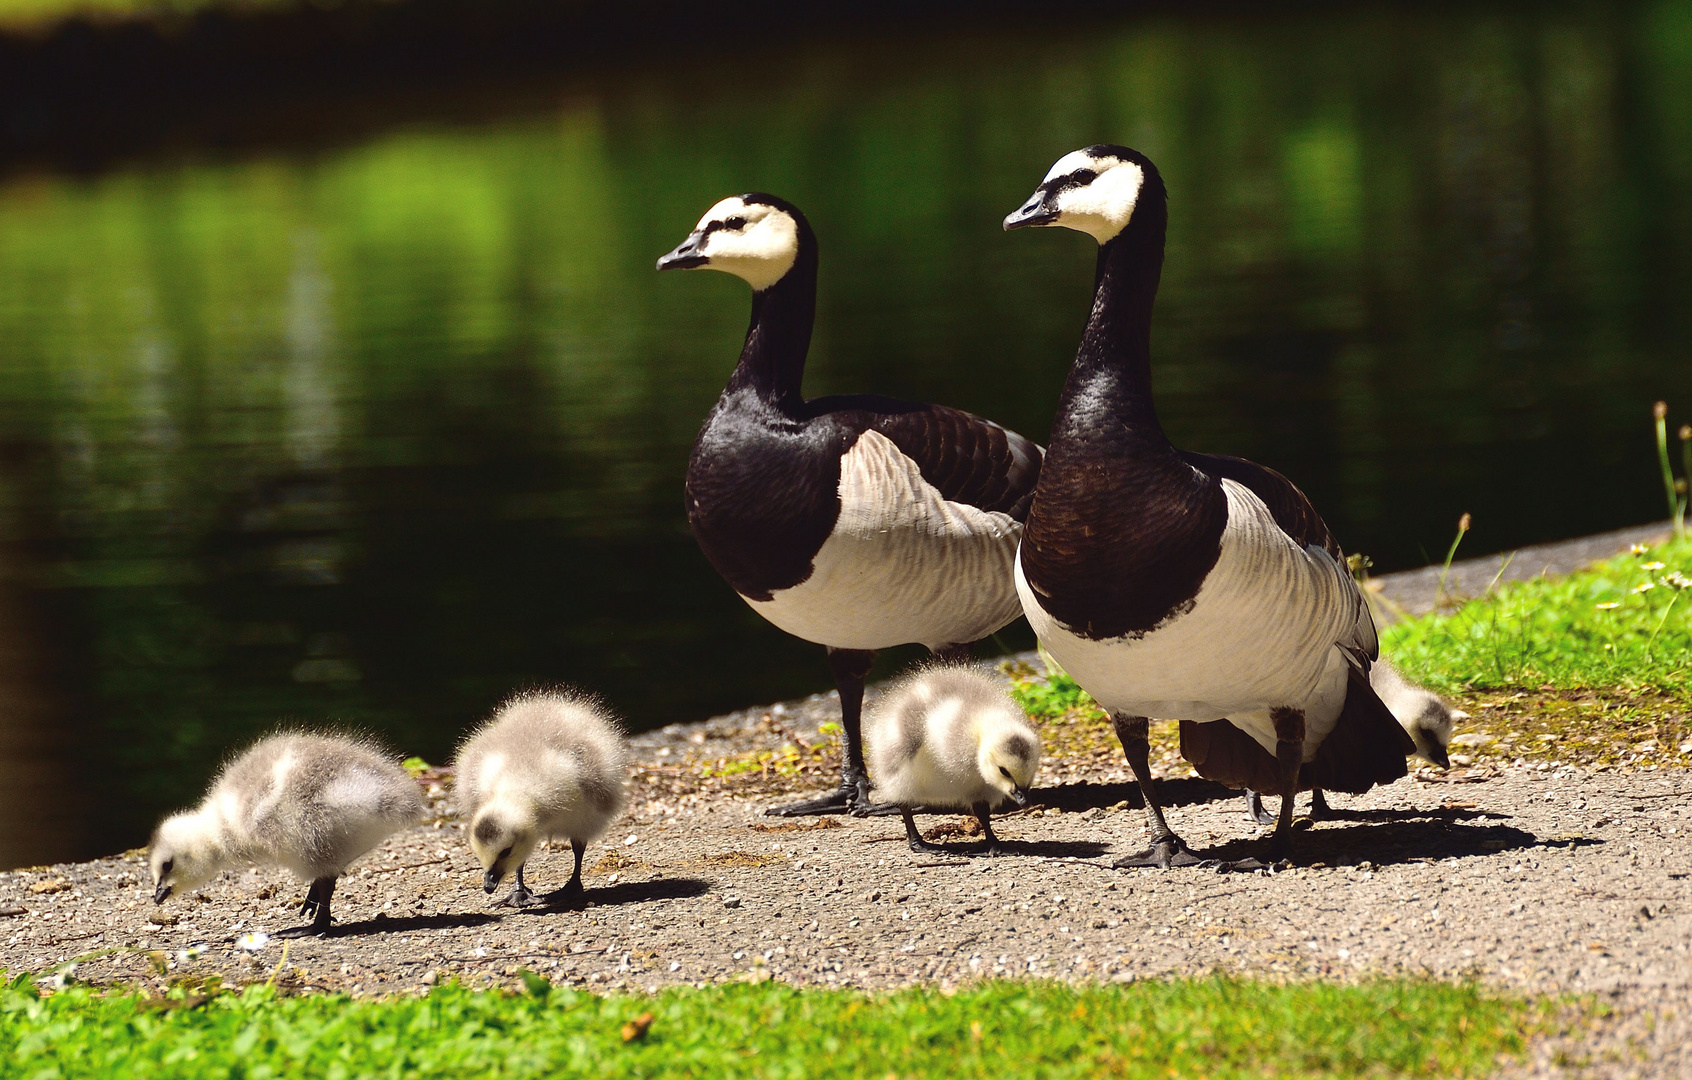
[
  {"x": 858, "y": 522},
  {"x": 1187, "y": 586}
]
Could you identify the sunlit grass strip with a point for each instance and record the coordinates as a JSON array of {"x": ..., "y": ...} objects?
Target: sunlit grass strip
[
  {"x": 1214, "y": 1027},
  {"x": 1625, "y": 623}
]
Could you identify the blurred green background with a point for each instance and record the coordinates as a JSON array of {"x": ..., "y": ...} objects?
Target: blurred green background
[{"x": 373, "y": 429}]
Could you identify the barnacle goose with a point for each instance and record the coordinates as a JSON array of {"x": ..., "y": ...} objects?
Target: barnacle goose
[
  {"x": 857, "y": 522},
  {"x": 1187, "y": 586}
]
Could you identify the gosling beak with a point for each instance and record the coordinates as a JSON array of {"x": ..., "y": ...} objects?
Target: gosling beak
[
  {"x": 1038, "y": 210},
  {"x": 162, "y": 893},
  {"x": 1437, "y": 755},
  {"x": 686, "y": 254},
  {"x": 1019, "y": 796},
  {"x": 490, "y": 880}
]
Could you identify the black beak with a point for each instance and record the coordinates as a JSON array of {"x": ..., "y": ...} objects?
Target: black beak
[
  {"x": 685, "y": 257},
  {"x": 1438, "y": 756},
  {"x": 490, "y": 880},
  {"x": 1036, "y": 211},
  {"x": 162, "y": 893},
  {"x": 1019, "y": 796}
]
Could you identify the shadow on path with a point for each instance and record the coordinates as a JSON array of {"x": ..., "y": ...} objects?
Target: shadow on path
[
  {"x": 624, "y": 892},
  {"x": 1178, "y": 791},
  {"x": 1393, "y": 842},
  {"x": 382, "y": 924}
]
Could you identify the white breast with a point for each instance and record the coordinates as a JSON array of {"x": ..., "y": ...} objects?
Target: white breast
[
  {"x": 1263, "y": 632},
  {"x": 903, "y": 564}
]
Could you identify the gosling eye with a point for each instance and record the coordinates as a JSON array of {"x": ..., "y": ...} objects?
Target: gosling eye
[
  {"x": 168, "y": 863},
  {"x": 506, "y": 854},
  {"x": 735, "y": 223},
  {"x": 1006, "y": 773}
]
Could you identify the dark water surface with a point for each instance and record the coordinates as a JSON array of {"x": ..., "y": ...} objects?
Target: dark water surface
[{"x": 378, "y": 432}]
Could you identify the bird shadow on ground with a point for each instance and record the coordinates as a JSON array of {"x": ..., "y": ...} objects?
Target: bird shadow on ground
[
  {"x": 1086, "y": 795},
  {"x": 383, "y": 924},
  {"x": 1388, "y": 843},
  {"x": 1043, "y": 849},
  {"x": 624, "y": 892},
  {"x": 1442, "y": 813}
]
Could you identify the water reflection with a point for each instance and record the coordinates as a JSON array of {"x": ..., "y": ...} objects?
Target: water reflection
[{"x": 377, "y": 433}]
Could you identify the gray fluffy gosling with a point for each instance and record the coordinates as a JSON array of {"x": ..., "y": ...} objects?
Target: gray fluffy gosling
[
  {"x": 546, "y": 765},
  {"x": 1424, "y": 715},
  {"x": 952, "y": 738},
  {"x": 309, "y": 803}
]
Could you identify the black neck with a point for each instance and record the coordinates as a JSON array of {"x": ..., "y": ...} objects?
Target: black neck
[
  {"x": 772, "y": 362},
  {"x": 1112, "y": 369}
]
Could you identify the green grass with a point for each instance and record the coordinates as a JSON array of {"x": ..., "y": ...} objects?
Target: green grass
[
  {"x": 1214, "y": 1027},
  {"x": 1625, "y": 624}
]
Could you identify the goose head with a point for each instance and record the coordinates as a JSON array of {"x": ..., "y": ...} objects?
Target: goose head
[
  {"x": 1094, "y": 191},
  {"x": 755, "y": 237}
]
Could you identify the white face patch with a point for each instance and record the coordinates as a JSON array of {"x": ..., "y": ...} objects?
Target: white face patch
[
  {"x": 1100, "y": 209},
  {"x": 753, "y": 241}
]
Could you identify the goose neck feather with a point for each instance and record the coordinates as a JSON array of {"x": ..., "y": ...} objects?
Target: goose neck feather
[
  {"x": 1122, "y": 531},
  {"x": 772, "y": 361}
]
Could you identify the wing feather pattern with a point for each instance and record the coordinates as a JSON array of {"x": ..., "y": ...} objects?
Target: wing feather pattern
[
  {"x": 1367, "y": 745},
  {"x": 969, "y": 460}
]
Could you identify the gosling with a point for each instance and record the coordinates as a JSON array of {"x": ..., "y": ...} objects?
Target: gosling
[
  {"x": 952, "y": 738},
  {"x": 545, "y": 765},
  {"x": 310, "y": 803},
  {"x": 1424, "y": 715}
]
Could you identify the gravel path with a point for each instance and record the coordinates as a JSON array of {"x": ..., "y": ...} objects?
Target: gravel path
[{"x": 1544, "y": 878}]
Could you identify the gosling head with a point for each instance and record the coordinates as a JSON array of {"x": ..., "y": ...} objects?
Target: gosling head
[
  {"x": 1431, "y": 732},
  {"x": 1094, "y": 191},
  {"x": 755, "y": 237},
  {"x": 1008, "y": 759},
  {"x": 183, "y": 856},
  {"x": 503, "y": 838}
]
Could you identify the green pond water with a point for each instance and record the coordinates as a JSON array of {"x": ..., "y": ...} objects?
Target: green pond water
[{"x": 375, "y": 431}]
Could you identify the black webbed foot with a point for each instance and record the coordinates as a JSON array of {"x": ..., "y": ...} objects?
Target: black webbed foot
[
  {"x": 1165, "y": 854},
  {"x": 520, "y": 897},
  {"x": 317, "y": 906},
  {"x": 852, "y": 792}
]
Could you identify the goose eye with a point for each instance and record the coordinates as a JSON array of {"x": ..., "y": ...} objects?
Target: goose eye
[
  {"x": 1006, "y": 772},
  {"x": 735, "y": 223},
  {"x": 506, "y": 854},
  {"x": 168, "y": 863}
]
